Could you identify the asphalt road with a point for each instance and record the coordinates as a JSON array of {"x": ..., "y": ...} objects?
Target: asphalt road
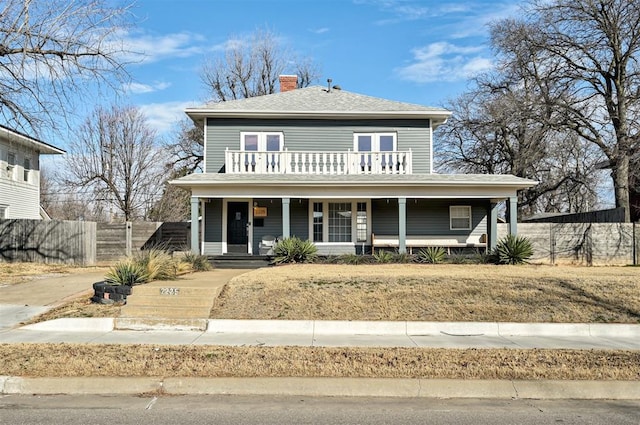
[{"x": 222, "y": 410}]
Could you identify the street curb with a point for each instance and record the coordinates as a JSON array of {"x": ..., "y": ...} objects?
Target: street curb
[
  {"x": 327, "y": 387},
  {"x": 339, "y": 327}
]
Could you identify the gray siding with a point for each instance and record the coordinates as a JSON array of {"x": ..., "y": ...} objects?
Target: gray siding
[
  {"x": 272, "y": 223},
  {"x": 426, "y": 217},
  {"x": 317, "y": 135},
  {"x": 299, "y": 216},
  {"x": 213, "y": 226}
]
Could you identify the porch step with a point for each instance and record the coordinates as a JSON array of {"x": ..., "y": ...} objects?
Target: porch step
[
  {"x": 165, "y": 312},
  {"x": 239, "y": 261}
]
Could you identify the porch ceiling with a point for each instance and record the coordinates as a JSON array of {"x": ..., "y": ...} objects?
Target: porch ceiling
[{"x": 350, "y": 186}]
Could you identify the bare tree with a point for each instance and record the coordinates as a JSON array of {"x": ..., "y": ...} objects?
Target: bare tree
[
  {"x": 589, "y": 50},
  {"x": 502, "y": 126},
  {"x": 174, "y": 204},
  {"x": 116, "y": 156},
  {"x": 250, "y": 67},
  {"x": 52, "y": 52},
  {"x": 188, "y": 148}
]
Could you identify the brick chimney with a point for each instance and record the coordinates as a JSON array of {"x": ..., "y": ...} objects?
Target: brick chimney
[{"x": 288, "y": 83}]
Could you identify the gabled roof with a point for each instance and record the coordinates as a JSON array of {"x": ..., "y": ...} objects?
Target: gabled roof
[
  {"x": 317, "y": 102},
  {"x": 14, "y": 136}
]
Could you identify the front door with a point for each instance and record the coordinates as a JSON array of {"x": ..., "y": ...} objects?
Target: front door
[{"x": 237, "y": 229}]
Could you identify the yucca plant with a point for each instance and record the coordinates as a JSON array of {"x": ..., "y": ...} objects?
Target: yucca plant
[
  {"x": 513, "y": 250},
  {"x": 160, "y": 265},
  {"x": 294, "y": 250},
  {"x": 383, "y": 257},
  {"x": 197, "y": 262},
  {"x": 354, "y": 259},
  {"x": 402, "y": 258},
  {"x": 432, "y": 255},
  {"x": 127, "y": 272}
]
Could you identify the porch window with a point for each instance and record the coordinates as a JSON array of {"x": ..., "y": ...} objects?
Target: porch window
[
  {"x": 460, "y": 217},
  {"x": 339, "y": 222},
  {"x": 361, "y": 222},
  {"x": 317, "y": 221}
]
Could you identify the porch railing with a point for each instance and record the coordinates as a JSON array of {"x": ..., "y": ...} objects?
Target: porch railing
[{"x": 318, "y": 162}]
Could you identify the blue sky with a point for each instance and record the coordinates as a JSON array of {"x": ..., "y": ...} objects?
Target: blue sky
[{"x": 413, "y": 51}]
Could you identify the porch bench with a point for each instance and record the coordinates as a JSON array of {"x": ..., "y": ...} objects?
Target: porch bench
[{"x": 423, "y": 241}]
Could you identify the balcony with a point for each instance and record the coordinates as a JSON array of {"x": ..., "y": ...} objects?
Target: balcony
[{"x": 318, "y": 162}]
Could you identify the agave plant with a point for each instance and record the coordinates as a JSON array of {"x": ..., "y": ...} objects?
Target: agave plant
[
  {"x": 432, "y": 255},
  {"x": 127, "y": 272},
  {"x": 513, "y": 250},
  {"x": 383, "y": 257},
  {"x": 294, "y": 250}
]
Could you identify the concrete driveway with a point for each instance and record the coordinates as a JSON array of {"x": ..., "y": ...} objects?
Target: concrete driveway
[{"x": 22, "y": 301}]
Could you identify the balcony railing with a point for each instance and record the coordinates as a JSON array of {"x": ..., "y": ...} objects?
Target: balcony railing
[{"x": 316, "y": 162}]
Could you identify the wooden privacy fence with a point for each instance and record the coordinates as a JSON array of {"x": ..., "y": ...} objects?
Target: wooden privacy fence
[
  {"x": 84, "y": 242},
  {"x": 582, "y": 243},
  {"x": 52, "y": 241}
]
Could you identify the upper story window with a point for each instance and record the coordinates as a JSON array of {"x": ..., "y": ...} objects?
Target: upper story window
[
  {"x": 460, "y": 217},
  {"x": 27, "y": 169},
  {"x": 374, "y": 142},
  {"x": 3, "y": 211},
  {"x": 11, "y": 164},
  {"x": 262, "y": 141}
]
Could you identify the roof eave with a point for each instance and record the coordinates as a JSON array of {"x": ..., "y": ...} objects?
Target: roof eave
[
  {"x": 439, "y": 117},
  {"x": 41, "y": 147}
]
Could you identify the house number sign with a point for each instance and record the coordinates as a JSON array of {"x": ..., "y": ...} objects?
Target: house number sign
[{"x": 169, "y": 291}]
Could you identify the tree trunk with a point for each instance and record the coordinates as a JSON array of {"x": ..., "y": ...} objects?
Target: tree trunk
[{"x": 620, "y": 174}]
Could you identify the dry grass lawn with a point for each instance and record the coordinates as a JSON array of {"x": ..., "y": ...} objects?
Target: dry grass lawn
[
  {"x": 13, "y": 273},
  {"x": 80, "y": 360},
  {"x": 435, "y": 293}
]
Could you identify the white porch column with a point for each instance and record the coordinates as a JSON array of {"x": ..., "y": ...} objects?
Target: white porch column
[
  {"x": 286, "y": 218},
  {"x": 512, "y": 208},
  {"x": 195, "y": 232},
  {"x": 493, "y": 226},
  {"x": 402, "y": 225}
]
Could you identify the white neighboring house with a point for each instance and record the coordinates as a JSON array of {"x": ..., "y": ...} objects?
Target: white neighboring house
[{"x": 20, "y": 174}]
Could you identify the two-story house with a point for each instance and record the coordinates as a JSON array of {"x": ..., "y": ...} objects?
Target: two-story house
[
  {"x": 20, "y": 174},
  {"x": 346, "y": 171}
]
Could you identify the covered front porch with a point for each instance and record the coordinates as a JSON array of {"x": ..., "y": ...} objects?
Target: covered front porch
[
  {"x": 339, "y": 226},
  {"x": 343, "y": 214}
]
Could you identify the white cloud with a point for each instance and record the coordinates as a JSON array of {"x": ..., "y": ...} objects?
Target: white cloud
[
  {"x": 139, "y": 88},
  {"x": 319, "y": 30},
  {"x": 163, "y": 117},
  {"x": 148, "y": 48},
  {"x": 443, "y": 61}
]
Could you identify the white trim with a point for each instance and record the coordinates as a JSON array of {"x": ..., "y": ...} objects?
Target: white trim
[
  {"x": 437, "y": 117},
  {"x": 204, "y": 147},
  {"x": 203, "y": 213},
  {"x": 451, "y": 217},
  {"x": 431, "y": 143}
]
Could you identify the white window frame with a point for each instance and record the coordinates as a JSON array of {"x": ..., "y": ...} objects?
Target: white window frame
[
  {"x": 262, "y": 139},
  {"x": 375, "y": 141},
  {"x": 26, "y": 172},
  {"x": 11, "y": 165},
  {"x": 354, "y": 221},
  {"x": 458, "y": 209}
]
